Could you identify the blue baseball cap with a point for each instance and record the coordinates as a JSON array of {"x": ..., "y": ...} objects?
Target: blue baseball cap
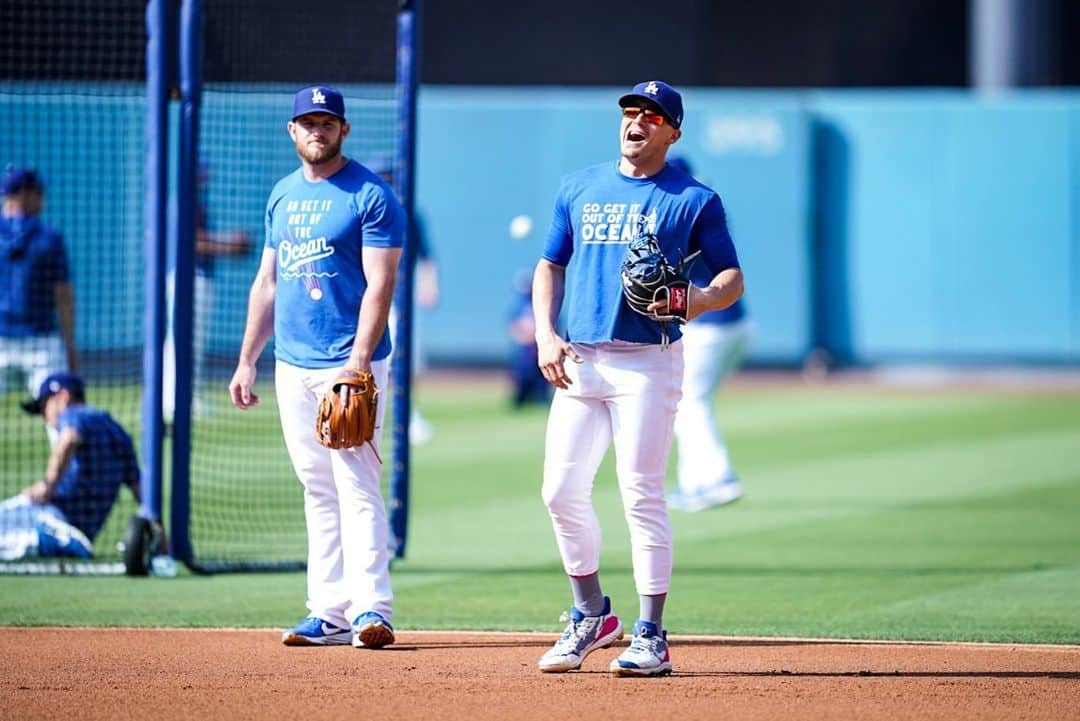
[
  {"x": 318, "y": 99},
  {"x": 18, "y": 178},
  {"x": 53, "y": 385},
  {"x": 660, "y": 94}
]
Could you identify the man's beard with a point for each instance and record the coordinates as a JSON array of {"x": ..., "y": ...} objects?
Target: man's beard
[{"x": 317, "y": 156}]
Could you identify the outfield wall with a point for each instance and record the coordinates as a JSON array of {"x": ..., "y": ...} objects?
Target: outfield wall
[{"x": 884, "y": 225}]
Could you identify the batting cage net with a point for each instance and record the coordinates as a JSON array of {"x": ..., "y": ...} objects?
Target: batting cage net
[
  {"x": 72, "y": 120},
  {"x": 246, "y": 505}
]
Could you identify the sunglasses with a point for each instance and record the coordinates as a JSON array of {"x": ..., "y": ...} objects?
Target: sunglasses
[{"x": 649, "y": 116}]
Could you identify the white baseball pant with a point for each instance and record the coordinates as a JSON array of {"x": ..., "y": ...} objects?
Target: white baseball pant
[
  {"x": 624, "y": 393},
  {"x": 712, "y": 352},
  {"x": 348, "y": 567},
  {"x": 37, "y": 356}
]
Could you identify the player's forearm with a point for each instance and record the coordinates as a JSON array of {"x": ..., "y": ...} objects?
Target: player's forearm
[
  {"x": 65, "y": 312},
  {"x": 59, "y": 459},
  {"x": 549, "y": 281},
  {"x": 721, "y": 293},
  {"x": 381, "y": 269}
]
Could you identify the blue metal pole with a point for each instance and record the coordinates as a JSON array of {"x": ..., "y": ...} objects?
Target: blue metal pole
[
  {"x": 190, "y": 71},
  {"x": 157, "y": 54},
  {"x": 408, "y": 42}
]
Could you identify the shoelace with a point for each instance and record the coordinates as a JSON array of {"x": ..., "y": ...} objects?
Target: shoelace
[
  {"x": 574, "y": 632},
  {"x": 650, "y": 644}
]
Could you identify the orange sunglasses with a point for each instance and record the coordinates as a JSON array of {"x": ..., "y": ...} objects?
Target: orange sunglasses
[{"x": 650, "y": 116}]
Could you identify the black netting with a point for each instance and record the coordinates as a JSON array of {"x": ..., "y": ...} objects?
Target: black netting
[
  {"x": 72, "y": 111},
  {"x": 246, "y": 504}
]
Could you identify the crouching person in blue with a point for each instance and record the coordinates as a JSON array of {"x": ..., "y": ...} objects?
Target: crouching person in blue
[{"x": 91, "y": 458}]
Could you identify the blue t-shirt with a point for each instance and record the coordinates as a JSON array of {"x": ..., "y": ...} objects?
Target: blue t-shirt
[
  {"x": 596, "y": 217},
  {"x": 32, "y": 264},
  {"x": 317, "y": 231},
  {"x": 104, "y": 459}
]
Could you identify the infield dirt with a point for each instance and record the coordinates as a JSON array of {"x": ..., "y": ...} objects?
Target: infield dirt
[{"x": 162, "y": 674}]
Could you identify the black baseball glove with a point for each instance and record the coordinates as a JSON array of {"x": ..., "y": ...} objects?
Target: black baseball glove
[{"x": 648, "y": 277}]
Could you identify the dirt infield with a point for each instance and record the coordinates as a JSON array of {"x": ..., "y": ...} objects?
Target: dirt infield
[{"x": 92, "y": 674}]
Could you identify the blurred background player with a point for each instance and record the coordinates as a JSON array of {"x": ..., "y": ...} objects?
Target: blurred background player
[
  {"x": 528, "y": 383},
  {"x": 37, "y": 305},
  {"x": 426, "y": 284},
  {"x": 209, "y": 244},
  {"x": 714, "y": 346},
  {"x": 92, "y": 457},
  {"x": 334, "y": 232}
]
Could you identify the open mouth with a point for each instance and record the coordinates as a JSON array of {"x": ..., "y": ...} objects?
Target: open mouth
[{"x": 635, "y": 136}]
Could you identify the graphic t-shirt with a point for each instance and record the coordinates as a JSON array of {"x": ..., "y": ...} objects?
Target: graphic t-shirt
[
  {"x": 318, "y": 231},
  {"x": 596, "y": 216}
]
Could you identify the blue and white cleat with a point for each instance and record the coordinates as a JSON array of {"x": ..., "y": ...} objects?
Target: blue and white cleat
[
  {"x": 313, "y": 631},
  {"x": 726, "y": 491},
  {"x": 57, "y": 538},
  {"x": 582, "y": 636},
  {"x": 371, "y": 630},
  {"x": 647, "y": 654}
]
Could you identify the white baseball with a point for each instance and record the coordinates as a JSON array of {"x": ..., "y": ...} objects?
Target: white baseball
[
  {"x": 520, "y": 226},
  {"x": 315, "y": 293}
]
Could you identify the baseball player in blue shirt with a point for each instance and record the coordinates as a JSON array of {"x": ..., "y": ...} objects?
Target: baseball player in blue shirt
[
  {"x": 37, "y": 306},
  {"x": 92, "y": 457},
  {"x": 714, "y": 346},
  {"x": 623, "y": 381},
  {"x": 334, "y": 232}
]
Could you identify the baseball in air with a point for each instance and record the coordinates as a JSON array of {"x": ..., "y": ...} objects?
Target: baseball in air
[
  {"x": 315, "y": 293},
  {"x": 520, "y": 226}
]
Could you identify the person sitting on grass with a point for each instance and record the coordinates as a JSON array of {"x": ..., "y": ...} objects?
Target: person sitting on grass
[{"x": 91, "y": 458}]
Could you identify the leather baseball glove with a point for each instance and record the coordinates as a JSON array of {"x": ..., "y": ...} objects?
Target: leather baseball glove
[
  {"x": 648, "y": 277},
  {"x": 348, "y": 423}
]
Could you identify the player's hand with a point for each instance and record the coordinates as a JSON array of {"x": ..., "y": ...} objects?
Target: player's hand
[
  {"x": 240, "y": 387},
  {"x": 550, "y": 356},
  {"x": 38, "y": 492}
]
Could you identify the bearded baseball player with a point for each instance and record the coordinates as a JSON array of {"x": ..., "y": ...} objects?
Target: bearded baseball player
[
  {"x": 334, "y": 232},
  {"x": 618, "y": 372}
]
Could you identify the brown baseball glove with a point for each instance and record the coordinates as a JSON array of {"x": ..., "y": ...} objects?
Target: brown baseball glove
[{"x": 348, "y": 423}]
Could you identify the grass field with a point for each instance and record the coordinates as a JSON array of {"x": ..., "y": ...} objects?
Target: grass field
[{"x": 870, "y": 513}]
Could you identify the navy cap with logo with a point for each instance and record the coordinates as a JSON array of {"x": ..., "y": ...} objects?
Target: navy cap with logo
[
  {"x": 18, "y": 178},
  {"x": 53, "y": 385},
  {"x": 660, "y": 94},
  {"x": 318, "y": 99}
]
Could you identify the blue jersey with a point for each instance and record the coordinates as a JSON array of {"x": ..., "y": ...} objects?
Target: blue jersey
[
  {"x": 32, "y": 264},
  {"x": 317, "y": 231},
  {"x": 596, "y": 217},
  {"x": 103, "y": 460},
  {"x": 701, "y": 277}
]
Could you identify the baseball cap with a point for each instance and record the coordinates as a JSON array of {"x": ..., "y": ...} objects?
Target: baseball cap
[
  {"x": 318, "y": 99},
  {"x": 53, "y": 385},
  {"x": 660, "y": 94},
  {"x": 18, "y": 178}
]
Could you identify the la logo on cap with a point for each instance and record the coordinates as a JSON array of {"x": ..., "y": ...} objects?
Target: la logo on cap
[
  {"x": 651, "y": 88},
  {"x": 319, "y": 99}
]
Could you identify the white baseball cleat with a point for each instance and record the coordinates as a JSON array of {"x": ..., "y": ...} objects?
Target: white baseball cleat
[
  {"x": 718, "y": 494},
  {"x": 582, "y": 636},
  {"x": 647, "y": 654}
]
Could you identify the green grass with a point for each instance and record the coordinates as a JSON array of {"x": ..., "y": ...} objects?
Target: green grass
[{"x": 869, "y": 513}]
